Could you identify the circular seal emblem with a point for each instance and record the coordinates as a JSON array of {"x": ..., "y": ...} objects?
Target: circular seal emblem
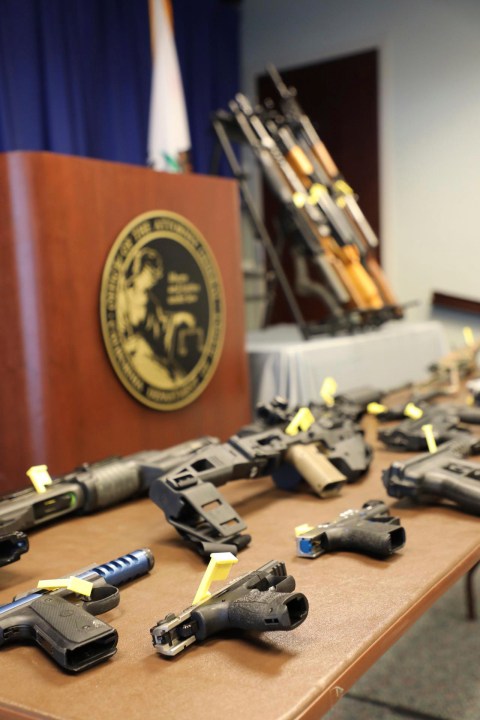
[{"x": 162, "y": 310}]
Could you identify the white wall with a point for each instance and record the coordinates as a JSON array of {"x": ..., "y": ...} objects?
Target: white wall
[{"x": 429, "y": 93}]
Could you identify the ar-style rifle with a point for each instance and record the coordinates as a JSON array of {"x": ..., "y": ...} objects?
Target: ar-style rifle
[
  {"x": 342, "y": 242},
  {"x": 308, "y": 221},
  {"x": 341, "y": 256},
  {"x": 327, "y": 173}
]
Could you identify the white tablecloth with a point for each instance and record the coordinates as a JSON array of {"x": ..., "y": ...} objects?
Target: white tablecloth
[{"x": 282, "y": 363}]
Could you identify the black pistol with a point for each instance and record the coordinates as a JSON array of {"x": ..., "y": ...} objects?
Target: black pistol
[
  {"x": 370, "y": 530},
  {"x": 263, "y": 600},
  {"x": 68, "y": 632}
]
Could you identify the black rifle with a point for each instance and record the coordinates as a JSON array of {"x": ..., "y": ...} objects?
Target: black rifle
[
  {"x": 87, "y": 489},
  {"x": 263, "y": 600},
  {"x": 66, "y": 631},
  {"x": 342, "y": 440},
  {"x": 438, "y": 476},
  {"x": 371, "y": 530},
  {"x": 446, "y": 425},
  {"x": 349, "y": 405},
  {"x": 191, "y": 502}
]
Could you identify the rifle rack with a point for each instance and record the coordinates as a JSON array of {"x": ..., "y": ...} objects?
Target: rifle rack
[{"x": 227, "y": 132}]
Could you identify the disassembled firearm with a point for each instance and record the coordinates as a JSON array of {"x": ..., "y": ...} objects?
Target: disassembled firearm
[
  {"x": 262, "y": 600},
  {"x": 192, "y": 504},
  {"x": 67, "y": 631},
  {"x": 89, "y": 488},
  {"x": 370, "y": 530},
  {"x": 433, "y": 477},
  {"x": 342, "y": 440}
]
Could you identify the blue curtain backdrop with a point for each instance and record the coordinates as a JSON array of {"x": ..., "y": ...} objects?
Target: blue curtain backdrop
[
  {"x": 208, "y": 44},
  {"x": 75, "y": 74}
]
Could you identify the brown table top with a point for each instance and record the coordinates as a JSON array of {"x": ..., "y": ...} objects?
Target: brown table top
[{"x": 358, "y": 608}]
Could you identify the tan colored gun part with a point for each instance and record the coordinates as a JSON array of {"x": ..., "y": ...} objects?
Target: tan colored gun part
[
  {"x": 359, "y": 284},
  {"x": 356, "y": 279},
  {"x": 380, "y": 279},
  {"x": 316, "y": 469},
  {"x": 325, "y": 159}
]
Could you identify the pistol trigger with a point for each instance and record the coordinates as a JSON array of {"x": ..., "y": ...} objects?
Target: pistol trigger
[{"x": 103, "y": 598}]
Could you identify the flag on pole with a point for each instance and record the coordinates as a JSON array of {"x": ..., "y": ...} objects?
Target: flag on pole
[{"x": 168, "y": 133}]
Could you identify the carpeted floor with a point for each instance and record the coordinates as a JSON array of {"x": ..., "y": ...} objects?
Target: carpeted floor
[{"x": 432, "y": 673}]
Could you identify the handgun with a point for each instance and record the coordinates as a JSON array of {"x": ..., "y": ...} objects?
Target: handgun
[
  {"x": 434, "y": 477},
  {"x": 68, "y": 631},
  {"x": 370, "y": 530},
  {"x": 262, "y": 600}
]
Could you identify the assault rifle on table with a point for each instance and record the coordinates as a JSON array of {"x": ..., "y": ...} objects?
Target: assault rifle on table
[
  {"x": 89, "y": 488},
  {"x": 263, "y": 600},
  {"x": 188, "y": 495},
  {"x": 66, "y": 630},
  {"x": 446, "y": 424},
  {"x": 435, "y": 477},
  {"x": 321, "y": 170},
  {"x": 370, "y": 530}
]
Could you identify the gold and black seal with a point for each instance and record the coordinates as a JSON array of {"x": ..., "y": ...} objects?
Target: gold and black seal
[{"x": 162, "y": 310}]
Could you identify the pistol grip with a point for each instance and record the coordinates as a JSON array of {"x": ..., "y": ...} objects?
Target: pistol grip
[
  {"x": 73, "y": 638},
  {"x": 316, "y": 469}
]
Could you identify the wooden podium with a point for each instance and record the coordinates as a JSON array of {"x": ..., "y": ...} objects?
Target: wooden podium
[{"x": 60, "y": 401}]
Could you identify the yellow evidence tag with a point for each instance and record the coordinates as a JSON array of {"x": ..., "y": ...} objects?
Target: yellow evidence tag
[
  {"x": 302, "y": 421},
  {"x": 412, "y": 411},
  {"x": 430, "y": 438},
  {"x": 302, "y": 529},
  {"x": 74, "y": 584},
  {"x": 468, "y": 336},
  {"x": 375, "y": 408},
  {"x": 39, "y": 477},
  {"x": 328, "y": 390},
  {"x": 218, "y": 569}
]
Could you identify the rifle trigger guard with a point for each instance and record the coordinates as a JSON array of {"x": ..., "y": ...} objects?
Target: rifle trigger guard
[{"x": 103, "y": 598}]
